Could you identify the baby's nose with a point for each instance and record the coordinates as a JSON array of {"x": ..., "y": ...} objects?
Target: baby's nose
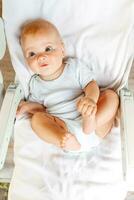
[{"x": 42, "y": 57}]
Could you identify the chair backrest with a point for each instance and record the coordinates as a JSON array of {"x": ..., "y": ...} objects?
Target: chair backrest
[{"x": 101, "y": 32}]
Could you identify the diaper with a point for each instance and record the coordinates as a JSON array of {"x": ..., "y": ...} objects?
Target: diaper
[{"x": 87, "y": 141}]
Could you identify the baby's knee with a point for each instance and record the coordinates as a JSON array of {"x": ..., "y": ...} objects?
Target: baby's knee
[
  {"x": 111, "y": 94},
  {"x": 37, "y": 118}
]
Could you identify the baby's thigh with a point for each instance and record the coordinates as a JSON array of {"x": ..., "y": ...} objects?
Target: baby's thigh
[{"x": 42, "y": 118}]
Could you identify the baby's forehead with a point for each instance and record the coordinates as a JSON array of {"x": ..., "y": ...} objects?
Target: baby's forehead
[{"x": 43, "y": 35}]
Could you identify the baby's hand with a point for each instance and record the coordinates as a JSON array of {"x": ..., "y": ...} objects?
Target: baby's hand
[
  {"x": 29, "y": 107},
  {"x": 22, "y": 108},
  {"x": 86, "y": 106}
]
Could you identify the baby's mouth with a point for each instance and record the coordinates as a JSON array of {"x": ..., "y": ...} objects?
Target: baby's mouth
[{"x": 44, "y": 65}]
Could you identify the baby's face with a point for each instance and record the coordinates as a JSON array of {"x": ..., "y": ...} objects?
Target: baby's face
[{"x": 44, "y": 53}]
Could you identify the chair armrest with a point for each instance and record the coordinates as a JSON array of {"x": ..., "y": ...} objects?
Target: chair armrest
[
  {"x": 7, "y": 116},
  {"x": 127, "y": 136},
  {"x": 2, "y": 39}
]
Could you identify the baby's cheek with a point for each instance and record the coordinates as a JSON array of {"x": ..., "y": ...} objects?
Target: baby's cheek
[
  {"x": 30, "y": 63},
  {"x": 33, "y": 66}
]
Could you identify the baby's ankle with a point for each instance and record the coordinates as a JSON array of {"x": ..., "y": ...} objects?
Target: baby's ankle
[{"x": 89, "y": 124}]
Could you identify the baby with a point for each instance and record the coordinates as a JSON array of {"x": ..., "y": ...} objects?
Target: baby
[{"x": 62, "y": 91}]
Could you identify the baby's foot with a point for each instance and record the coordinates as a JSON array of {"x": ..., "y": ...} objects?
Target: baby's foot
[
  {"x": 89, "y": 124},
  {"x": 69, "y": 142}
]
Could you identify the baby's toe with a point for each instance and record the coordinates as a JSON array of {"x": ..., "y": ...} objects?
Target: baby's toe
[
  {"x": 64, "y": 140},
  {"x": 71, "y": 143}
]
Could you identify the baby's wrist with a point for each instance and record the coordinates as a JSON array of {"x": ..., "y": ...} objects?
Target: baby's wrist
[{"x": 91, "y": 99}]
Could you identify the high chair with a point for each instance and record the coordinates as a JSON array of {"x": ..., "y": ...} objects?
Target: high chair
[{"x": 119, "y": 142}]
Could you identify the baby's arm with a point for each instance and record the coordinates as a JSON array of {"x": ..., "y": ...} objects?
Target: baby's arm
[
  {"x": 87, "y": 106},
  {"x": 29, "y": 107}
]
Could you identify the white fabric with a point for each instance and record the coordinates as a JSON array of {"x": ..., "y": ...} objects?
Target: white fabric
[
  {"x": 44, "y": 172},
  {"x": 101, "y": 30}
]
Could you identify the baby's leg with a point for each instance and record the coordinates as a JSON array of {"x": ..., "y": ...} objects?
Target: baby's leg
[
  {"x": 89, "y": 123},
  {"x": 103, "y": 119},
  {"x": 53, "y": 130},
  {"x": 106, "y": 112}
]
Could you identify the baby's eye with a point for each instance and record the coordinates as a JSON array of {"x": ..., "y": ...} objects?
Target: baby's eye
[
  {"x": 49, "y": 49},
  {"x": 31, "y": 54}
]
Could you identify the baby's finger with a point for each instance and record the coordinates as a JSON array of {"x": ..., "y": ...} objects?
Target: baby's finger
[
  {"x": 80, "y": 106},
  {"x": 22, "y": 102},
  {"x": 18, "y": 113},
  {"x": 84, "y": 109},
  {"x": 18, "y": 110},
  {"x": 94, "y": 111},
  {"x": 22, "y": 110},
  {"x": 89, "y": 110}
]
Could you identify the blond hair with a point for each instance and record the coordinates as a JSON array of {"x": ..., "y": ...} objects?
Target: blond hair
[{"x": 35, "y": 26}]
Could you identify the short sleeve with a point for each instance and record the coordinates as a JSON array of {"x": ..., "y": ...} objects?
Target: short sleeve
[
  {"x": 84, "y": 73},
  {"x": 34, "y": 90}
]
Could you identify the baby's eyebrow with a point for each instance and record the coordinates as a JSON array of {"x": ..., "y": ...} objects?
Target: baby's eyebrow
[
  {"x": 29, "y": 49},
  {"x": 49, "y": 44}
]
